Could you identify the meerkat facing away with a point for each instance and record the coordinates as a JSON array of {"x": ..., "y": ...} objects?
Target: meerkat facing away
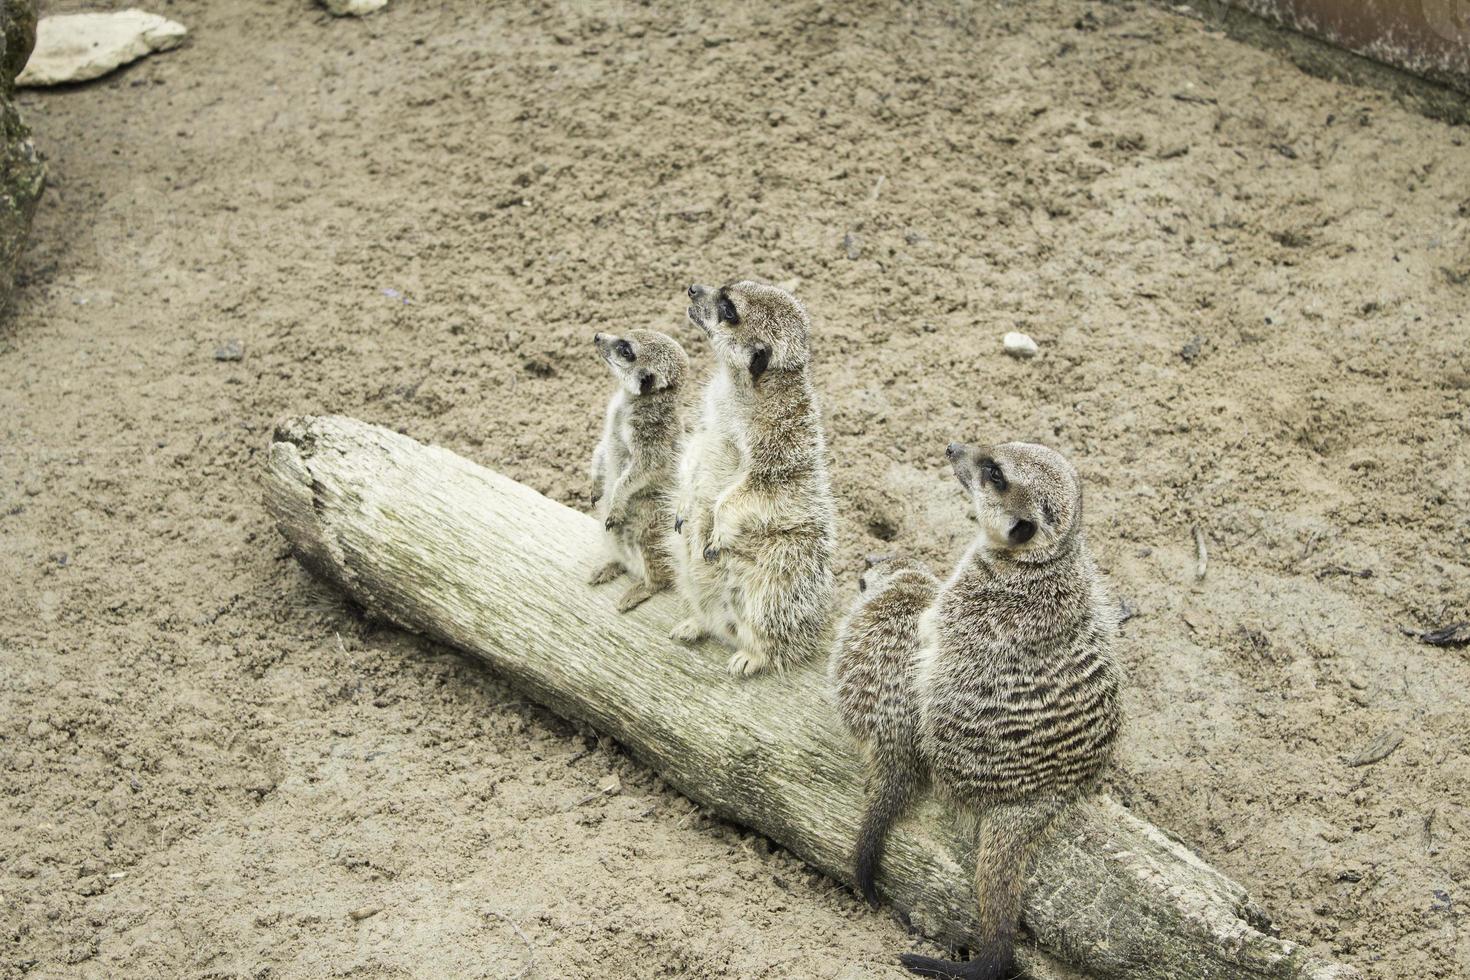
[
  {"x": 1016, "y": 686},
  {"x": 872, "y": 676},
  {"x": 633, "y": 465},
  {"x": 754, "y": 532}
]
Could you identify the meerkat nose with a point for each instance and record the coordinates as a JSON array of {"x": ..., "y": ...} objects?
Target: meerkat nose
[
  {"x": 694, "y": 292},
  {"x": 597, "y": 338},
  {"x": 952, "y": 450}
]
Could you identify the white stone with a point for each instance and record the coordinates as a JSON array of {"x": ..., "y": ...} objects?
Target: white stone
[
  {"x": 353, "y": 8},
  {"x": 79, "y": 47},
  {"x": 1020, "y": 345}
]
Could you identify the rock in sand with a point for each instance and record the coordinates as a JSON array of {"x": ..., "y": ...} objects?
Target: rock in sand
[
  {"x": 80, "y": 47},
  {"x": 1020, "y": 345},
  {"x": 22, "y": 174},
  {"x": 352, "y": 8}
]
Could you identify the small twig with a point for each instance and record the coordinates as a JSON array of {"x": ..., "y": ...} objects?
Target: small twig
[
  {"x": 530, "y": 948},
  {"x": 1202, "y": 557},
  {"x": 877, "y": 187},
  {"x": 1456, "y": 634}
]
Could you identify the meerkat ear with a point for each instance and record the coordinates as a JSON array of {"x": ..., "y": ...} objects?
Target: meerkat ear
[
  {"x": 1022, "y": 531},
  {"x": 645, "y": 382},
  {"x": 760, "y": 359}
]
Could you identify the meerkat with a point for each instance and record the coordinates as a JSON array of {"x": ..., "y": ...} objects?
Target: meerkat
[
  {"x": 1015, "y": 683},
  {"x": 634, "y": 463},
  {"x": 754, "y": 527},
  {"x": 872, "y": 677}
]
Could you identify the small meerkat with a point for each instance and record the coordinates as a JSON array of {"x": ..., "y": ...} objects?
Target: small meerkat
[
  {"x": 754, "y": 531},
  {"x": 634, "y": 463},
  {"x": 1015, "y": 683},
  {"x": 872, "y": 676}
]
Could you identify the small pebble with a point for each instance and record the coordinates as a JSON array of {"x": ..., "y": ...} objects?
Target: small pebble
[
  {"x": 366, "y": 912},
  {"x": 230, "y": 350},
  {"x": 1020, "y": 345}
]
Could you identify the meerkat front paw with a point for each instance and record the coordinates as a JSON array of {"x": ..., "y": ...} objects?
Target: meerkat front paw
[
  {"x": 711, "y": 553},
  {"x": 607, "y": 573},
  {"x": 678, "y": 523},
  {"x": 719, "y": 537},
  {"x": 616, "y": 518},
  {"x": 747, "y": 662},
  {"x": 689, "y": 631}
]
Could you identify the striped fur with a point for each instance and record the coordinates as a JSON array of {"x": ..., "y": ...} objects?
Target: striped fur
[
  {"x": 872, "y": 679},
  {"x": 1017, "y": 689}
]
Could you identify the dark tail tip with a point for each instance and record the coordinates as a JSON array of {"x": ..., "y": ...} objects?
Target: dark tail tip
[
  {"x": 865, "y": 871},
  {"x": 928, "y": 966},
  {"x": 1001, "y": 965},
  {"x": 865, "y": 874}
]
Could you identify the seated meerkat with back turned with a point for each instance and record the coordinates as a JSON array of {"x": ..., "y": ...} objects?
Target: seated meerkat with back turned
[
  {"x": 634, "y": 463},
  {"x": 753, "y": 536},
  {"x": 872, "y": 677},
  {"x": 1015, "y": 683}
]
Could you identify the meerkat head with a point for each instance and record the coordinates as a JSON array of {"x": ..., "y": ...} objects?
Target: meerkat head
[
  {"x": 645, "y": 362},
  {"x": 753, "y": 327},
  {"x": 879, "y": 570},
  {"x": 1028, "y": 499}
]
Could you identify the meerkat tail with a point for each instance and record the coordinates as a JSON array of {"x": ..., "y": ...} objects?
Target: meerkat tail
[
  {"x": 1009, "y": 833},
  {"x": 895, "y": 788}
]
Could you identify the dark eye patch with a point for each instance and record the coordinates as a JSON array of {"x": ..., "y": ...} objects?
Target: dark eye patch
[
  {"x": 990, "y": 472},
  {"x": 625, "y": 350},
  {"x": 727, "y": 311}
]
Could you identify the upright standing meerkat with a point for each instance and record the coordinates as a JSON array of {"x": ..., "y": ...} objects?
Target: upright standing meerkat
[
  {"x": 634, "y": 463},
  {"x": 753, "y": 536},
  {"x": 872, "y": 676},
  {"x": 1015, "y": 682}
]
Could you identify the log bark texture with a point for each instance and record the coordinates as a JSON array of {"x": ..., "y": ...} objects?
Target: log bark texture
[{"x": 449, "y": 549}]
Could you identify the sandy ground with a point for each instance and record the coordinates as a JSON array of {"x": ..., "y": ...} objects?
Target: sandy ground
[{"x": 1250, "y": 291}]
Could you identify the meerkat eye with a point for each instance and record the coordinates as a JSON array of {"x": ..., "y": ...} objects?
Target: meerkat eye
[
  {"x": 625, "y": 350},
  {"x": 990, "y": 473},
  {"x": 727, "y": 311}
]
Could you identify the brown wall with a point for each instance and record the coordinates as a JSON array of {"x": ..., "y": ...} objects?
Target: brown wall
[{"x": 1430, "y": 38}]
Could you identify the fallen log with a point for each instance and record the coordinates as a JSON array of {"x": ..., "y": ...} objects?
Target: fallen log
[{"x": 457, "y": 552}]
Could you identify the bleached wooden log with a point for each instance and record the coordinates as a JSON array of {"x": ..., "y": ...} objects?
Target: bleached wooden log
[{"x": 457, "y": 552}]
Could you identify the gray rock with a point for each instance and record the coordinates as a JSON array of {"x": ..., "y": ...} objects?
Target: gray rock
[
  {"x": 230, "y": 350},
  {"x": 80, "y": 47},
  {"x": 22, "y": 175}
]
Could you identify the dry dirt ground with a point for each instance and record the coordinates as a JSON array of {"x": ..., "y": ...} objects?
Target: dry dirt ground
[{"x": 1250, "y": 291}]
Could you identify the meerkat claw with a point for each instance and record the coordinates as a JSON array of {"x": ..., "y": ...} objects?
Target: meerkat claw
[
  {"x": 745, "y": 663},
  {"x": 711, "y": 554},
  {"x": 678, "y": 523}
]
